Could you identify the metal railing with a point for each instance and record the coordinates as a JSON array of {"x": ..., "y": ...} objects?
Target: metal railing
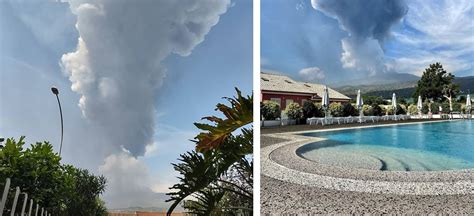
[{"x": 38, "y": 211}]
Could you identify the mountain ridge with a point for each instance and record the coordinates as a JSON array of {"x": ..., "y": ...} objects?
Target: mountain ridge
[{"x": 402, "y": 89}]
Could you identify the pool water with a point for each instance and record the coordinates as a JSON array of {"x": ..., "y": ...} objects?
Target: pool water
[{"x": 413, "y": 147}]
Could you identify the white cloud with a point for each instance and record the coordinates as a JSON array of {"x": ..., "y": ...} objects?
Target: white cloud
[
  {"x": 311, "y": 74},
  {"x": 441, "y": 32},
  {"x": 116, "y": 67},
  {"x": 129, "y": 182}
]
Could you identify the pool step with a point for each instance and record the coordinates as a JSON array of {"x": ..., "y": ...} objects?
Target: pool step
[{"x": 404, "y": 162}]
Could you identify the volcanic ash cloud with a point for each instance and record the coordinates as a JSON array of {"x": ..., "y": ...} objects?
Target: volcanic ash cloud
[
  {"x": 368, "y": 24},
  {"x": 116, "y": 67}
]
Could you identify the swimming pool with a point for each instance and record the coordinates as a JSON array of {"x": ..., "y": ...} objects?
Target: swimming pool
[{"x": 414, "y": 147}]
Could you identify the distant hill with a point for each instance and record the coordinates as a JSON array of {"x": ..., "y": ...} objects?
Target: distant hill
[
  {"x": 466, "y": 83},
  {"x": 381, "y": 79},
  {"x": 402, "y": 89},
  {"x": 159, "y": 204}
]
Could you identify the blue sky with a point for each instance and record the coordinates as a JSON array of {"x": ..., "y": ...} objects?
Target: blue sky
[
  {"x": 299, "y": 34},
  {"x": 188, "y": 68}
]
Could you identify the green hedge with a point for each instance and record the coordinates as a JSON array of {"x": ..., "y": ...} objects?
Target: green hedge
[{"x": 270, "y": 110}]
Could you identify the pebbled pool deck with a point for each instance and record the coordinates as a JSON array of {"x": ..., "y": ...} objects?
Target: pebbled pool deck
[{"x": 291, "y": 184}]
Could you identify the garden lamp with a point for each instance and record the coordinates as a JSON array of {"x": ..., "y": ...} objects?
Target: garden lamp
[{"x": 56, "y": 92}]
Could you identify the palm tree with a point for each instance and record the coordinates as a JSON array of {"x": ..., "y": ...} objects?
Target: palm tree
[{"x": 219, "y": 173}]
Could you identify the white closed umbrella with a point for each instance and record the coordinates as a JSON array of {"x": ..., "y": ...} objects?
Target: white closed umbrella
[
  {"x": 394, "y": 104},
  {"x": 359, "y": 104},
  {"x": 468, "y": 103},
  {"x": 419, "y": 105},
  {"x": 325, "y": 100}
]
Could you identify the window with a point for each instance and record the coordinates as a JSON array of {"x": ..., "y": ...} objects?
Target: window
[{"x": 277, "y": 100}]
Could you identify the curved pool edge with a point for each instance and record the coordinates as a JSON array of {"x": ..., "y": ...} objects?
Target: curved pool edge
[{"x": 278, "y": 164}]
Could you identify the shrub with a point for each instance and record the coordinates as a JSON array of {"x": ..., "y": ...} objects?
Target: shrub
[
  {"x": 435, "y": 107},
  {"x": 367, "y": 110},
  {"x": 456, "y": 107},
  {"x": 309, "y": 109},
  {"x": 294, "y": 111},
  {"x": 62, "y": 189},
  {"x": 413, "y": 110},
  {"x": 384, "y": 109},
  {"x": 270, "y": 110},
  {"x": 445, "y": 107},
  {"x": 425, "y": 108},
  {"x": 319, "y": 110},
  {"x": 401, "y": 109},
  {"x": 349, "y": 110},
  {"x": 336, "y": 109},
  {"x": 377, "y": 110},
  {"x": 389, "y": 110}
]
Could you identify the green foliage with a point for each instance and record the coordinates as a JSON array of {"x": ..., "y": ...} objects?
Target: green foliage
[
  {"x": 309, "y": 109},
  {"x": 219, "y": 178},
  {"x": 425, "y": 108},
  {"x": 389, "y": 110},
  {"x": 319, "y": 110},
  {"x": 435, "y": 107},
  {"x": 61, "y": 189},
  {"x": 83, "y": 194},
  {"x": 373, "y": 99},
  {"x": 336, "y": 109},
  {"x": 445, "y": 107},
  {"x": 401, "y": 109},
  {"x": 294, "y": 111},
  {"x": 349, "y": 110},
  {"x": 270, "y": 110},
  {"x": 462, "y": 99},
  {"x": 402, "y": 101},
  {"x": 377, "y": 110},
  {"x": 367, "y": 110},
  {"x": 412, "y": 109},
  {"x": 237, "y": 115},
  {"x": 456, "y": 107},
  {"x": 435, "y": 82}
]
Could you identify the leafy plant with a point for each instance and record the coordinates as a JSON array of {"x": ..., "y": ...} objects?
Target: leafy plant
[
  {"x": 294, "y": 111},
  {"x": 377, "y": 110},
  {"x": 270, "y": 110},
  {"x": 456, "y": 107},
  {"x": 369, "y": 99},
  {"x": 413, "y": 109},
  {"x": 368, "y": 110},
  {"x": 219, "y": 173},
  {"x": 309, "y": 109},
  {"x": 336, "y": 109},
  {"x": 61, "y": 189},
  {"x": 319, "y": 110},
  {"x": 401, "y": 109},
  {"x": 237, "y": 115},
  {"x": 349, "y": 110}
]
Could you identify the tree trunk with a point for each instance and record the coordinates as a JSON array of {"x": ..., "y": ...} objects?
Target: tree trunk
[{"x": 450, "y": 100}]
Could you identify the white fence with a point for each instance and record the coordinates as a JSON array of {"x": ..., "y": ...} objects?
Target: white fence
[{"x": 37, "y": 211}]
